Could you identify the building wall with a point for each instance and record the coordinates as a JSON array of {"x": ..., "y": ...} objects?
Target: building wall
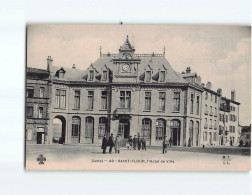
[{"x": 210, "y": 134}]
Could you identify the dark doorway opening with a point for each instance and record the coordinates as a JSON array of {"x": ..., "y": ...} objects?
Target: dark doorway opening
[
  {"x": 59, "y": 130},
  {"x": 40, "y": 137},
  {"x": 124, "y": 128}
]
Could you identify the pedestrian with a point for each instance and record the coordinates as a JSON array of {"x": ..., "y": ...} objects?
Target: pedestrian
[
  {"x": 104, "y": 144},
  {"x": 165, "y": 144},
  {"x": 139, "y": 143},
  {"x": 170, "y": 142},
  {"x": 111, "y": 143},
  {"x": 130, "y": 142},
  {"x": 117, "y": 144},
  {"x": 134, "y": 142},
  {"x": 143, "y": 143}
]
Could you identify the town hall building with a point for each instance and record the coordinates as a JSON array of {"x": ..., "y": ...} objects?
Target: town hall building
[{"x": 126, "y": 94}]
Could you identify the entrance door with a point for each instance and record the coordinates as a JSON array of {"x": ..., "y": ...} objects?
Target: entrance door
[
  {"x": 175, "y": 132},
  {"x": 124, "y": 128},
  {"x": 40, "y": 138}
]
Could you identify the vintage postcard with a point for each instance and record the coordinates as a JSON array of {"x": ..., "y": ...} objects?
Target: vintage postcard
[{"x": 138, "y": 97}]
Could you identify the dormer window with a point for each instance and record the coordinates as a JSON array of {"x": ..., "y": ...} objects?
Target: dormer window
[
  {"x": 61, "y": 73},
  {"x": 162, "y": 76},
  {"x": 104, "y": 75},
  {"x": 91, "y": 75},
  {"x": 147, "y": 76}
]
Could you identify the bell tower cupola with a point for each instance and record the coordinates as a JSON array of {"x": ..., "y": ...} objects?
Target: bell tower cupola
[{"x": 126, "y": 51}]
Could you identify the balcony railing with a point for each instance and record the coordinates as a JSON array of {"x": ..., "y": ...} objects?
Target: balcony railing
[
  {"x": 205, "y": 126},
  {"x": 206, "y": 112},
  {"x": 210, "y": 126},
  {"x": 123, "y": 110}
]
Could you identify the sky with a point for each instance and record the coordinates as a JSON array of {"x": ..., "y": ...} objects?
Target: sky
[{"x": 219, "y": 54}]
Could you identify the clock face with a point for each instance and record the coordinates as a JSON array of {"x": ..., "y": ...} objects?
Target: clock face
[{"x": 126, "y": 67}]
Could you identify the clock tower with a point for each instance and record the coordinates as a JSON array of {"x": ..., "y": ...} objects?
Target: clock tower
[{"x": 127, "y": 64}]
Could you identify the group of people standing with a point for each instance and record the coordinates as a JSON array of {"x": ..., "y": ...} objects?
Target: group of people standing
[
  {"x": 116, "y": 143},
  {"x": 136, "y": 142}
]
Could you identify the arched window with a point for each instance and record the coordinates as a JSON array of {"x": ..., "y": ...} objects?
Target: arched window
[
  {"x": 76, "y": 126},
  {"x": 146, "y": 128},
  {"x": 160, "y": 129},
  {"x": 197, "y": 133},
  {"x": 89, "y": 127},
  {"x": 175, "y": 132},
  {"x": 190, "y": 133},
  {"x": 103, "y": 127}
]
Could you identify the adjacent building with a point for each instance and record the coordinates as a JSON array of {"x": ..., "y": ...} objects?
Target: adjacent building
[
  {"x": 38, "y": 94},
  {"x": 245, "y": 139},
  {"x": 131, "y": 94}
]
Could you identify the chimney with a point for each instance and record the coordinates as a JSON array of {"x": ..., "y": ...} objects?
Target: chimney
[
  {"x": 209, "y": 85},
  {"x": 233, "y": 95},
  {"x": 219, "y": 91},
  {"x": 49, "y": 63},
  {"x": 73, "y": 67},
  {"x": 188, "y": 70}
]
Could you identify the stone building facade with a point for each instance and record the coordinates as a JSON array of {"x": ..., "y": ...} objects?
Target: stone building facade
[
  {"x": 129, "y": 94},
  {"x": 38, "y": 94}
]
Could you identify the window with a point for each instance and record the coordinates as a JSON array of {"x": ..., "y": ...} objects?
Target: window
[
  {"x": 206, "y": 96},
  {"x": 214, "y": 136},
  {"x": 104, "y": 100},
  {"x": 148, "y": 76},
  {"x": 76, "y": 126},
  {"x": 63, "y": 99},
  {"x": 60, "y": 100},
  {"x": 29, "y": 111},
  {"x": 211, "y": 110},
  {"x": 205, "y": 136},
  {"x": 230, "y": 117},
  {"x": 160, "y": 128},
  {"x": 29, "y": 135},
  {"x": 41, "y": 92},
  {"x": 211, "y": 124},
  {"x": 226, "y": 118},
  {"x": 91, "y": 75},
  {"x": 205, "y": 107},
  {"x": 191, "y": 132},
  {"x": 77, "y": 100},
  {"x": 146, "y": 128},
  {"x": 211, "y": 97},
  {"x": 205, "y": 121},
  {"x": 215, "y": 98},
  {"x": 103, "y": 127},
  {"x": 125, "y": 99},
  {"x": 192, "y": 99},
  {"x": 147, "y": 101},
  {"x": 29, "y": 92},
  {"x": 57, "y": 99},
  {"x": 233, "y": 129},
  {"x": 215, "y": 111},
  {"x": 40, "y": 112},
  {"x": 89, "y": 127},
  {"x": 176, "y": 101},
  {"x": 197, "y": 108},
  {"x": 104, "y": 75},
  {"x": 162, "y": 76},
  {"x": 220, "y": 117},
  {"x": 161, "y": 106},
  {"x": 90, "y": 100}
]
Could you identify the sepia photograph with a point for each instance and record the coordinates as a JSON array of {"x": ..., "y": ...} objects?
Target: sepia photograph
[{"x": 138, "y": 97}]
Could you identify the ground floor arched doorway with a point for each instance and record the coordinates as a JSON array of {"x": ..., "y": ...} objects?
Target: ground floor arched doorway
[
  {"x": 59, "y": 130},
  {"x": 124, "y": 128},
  {"x": 175, "y": 132}
]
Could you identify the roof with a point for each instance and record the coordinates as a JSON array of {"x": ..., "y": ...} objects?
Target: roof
[{"x": 36, "y": 70}]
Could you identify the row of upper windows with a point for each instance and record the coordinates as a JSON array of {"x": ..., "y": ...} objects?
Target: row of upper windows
[
  {"x": 210, "y": 136},
  {"x": 211, "y": 97},
  {"x": 125, "y": 100},
  {"x": 231, "y": 129},
  {"x": 32, "y": 112},
  {"x": 232, "y": 108},
  {"x": 30, "y": 92},
  {"x": 192, "y": 104},
  {"x": 211, "y": 110},
  {"x": 224, "y": 118}
]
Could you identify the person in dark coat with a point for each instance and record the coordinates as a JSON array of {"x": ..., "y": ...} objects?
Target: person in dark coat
[
  {"x": 104, "y": 144},
  {"x": 111, "y": 143},
  {"x": 165, "y": 144},
  {"x": 170, "y": 142},
  {"x": 139, "y": 143},
  {"x": 143, "y": 143},
  {"x": 134, "y": 142}
]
